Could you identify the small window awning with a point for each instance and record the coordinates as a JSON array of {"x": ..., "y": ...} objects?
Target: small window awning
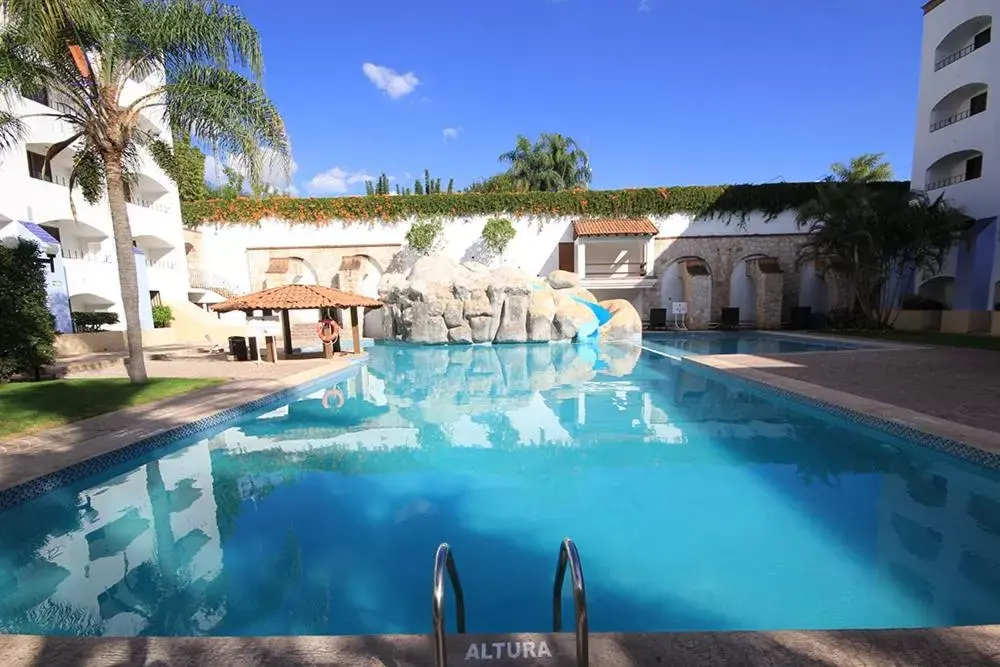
[
  {"x": 278, "y": 265},
  {"x": 614, "y": 227}
]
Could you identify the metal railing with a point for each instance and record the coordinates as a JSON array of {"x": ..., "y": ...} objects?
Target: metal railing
[
  {"x": 84, "y": 256},
  {"x": 147, "y": 203},
  {"x": 945, "y": 182},
  {"x": 953, "y": 57},
  {"x": 444, "y": 561},
  {"x": 57, "y": 179},
  {"x": 614, "y": 270},
  {"x": 951, "y": 120},
  {"x": 568, "y": 555},
  {"x": 202, "y": 279}
]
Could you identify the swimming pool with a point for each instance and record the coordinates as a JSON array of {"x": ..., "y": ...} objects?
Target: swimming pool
[
  {"x": 695, "y": 505},
  {"x": 682, "y": 344}
]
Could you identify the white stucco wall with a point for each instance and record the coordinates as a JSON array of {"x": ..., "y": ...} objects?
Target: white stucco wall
[{"x": 535, "y": 248}]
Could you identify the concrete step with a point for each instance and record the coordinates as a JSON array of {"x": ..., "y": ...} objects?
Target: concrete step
[{"x": 923, "y": 647}]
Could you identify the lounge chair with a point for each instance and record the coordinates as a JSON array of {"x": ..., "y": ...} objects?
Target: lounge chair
[{"x": 213, "y": 347}]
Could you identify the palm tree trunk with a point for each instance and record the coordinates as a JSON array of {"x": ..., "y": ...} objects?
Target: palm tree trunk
[{"x": 127, "y": 279}]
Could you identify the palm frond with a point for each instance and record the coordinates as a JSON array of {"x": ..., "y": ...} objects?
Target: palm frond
[
  {"x": 230, "y": 113},
  {"x": 12, "y": 130}
]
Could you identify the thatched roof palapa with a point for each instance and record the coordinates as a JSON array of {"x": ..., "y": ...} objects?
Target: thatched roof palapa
[{"x": 297, "y": 297}]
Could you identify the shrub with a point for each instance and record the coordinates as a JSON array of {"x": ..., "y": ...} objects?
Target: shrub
[
  {"x": 26, "y": 331},
  {"x": 162, "y": 317},
  {"x": 917, "y": 302},
  {"x": 91, "y": 322},
  {"x": 423, "y": 235},
  {"x": 497, "y": 234}
]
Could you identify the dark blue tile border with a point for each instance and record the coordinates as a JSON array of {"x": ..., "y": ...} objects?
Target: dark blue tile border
[
  {"x": 945, "y": 445},
  {"x": 22, "y": 493}
]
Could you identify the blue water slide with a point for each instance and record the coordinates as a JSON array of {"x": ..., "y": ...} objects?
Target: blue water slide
[{"x": 589, "y": 329}]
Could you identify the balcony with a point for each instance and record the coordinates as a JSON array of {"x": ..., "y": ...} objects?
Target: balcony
[
  {"x": 964, "y": 40},
  {"x": 965, "y": 102},
  {"x": 954, "y": 168}
]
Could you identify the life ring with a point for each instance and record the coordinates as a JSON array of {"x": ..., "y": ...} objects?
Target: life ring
[
  {"x": 333, "y": 392},
  {"x": 327, "y": 331}
]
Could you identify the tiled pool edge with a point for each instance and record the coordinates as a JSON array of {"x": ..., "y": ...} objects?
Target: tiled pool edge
[
  {"x": 965, "y": 442},
  {"x": 33, "y": 488}
]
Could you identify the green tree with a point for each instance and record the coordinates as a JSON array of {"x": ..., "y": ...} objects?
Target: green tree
[
  {"x": 423, "y": 235},
  {"x": 497, "y": 235},
  {"x": 451, "y": 185},
  {"x": 866, "y": 168},
  {"x": 418, "y": 187},
  {"x": 185, "y": 164},
  {"x": 231, "y": 189},
  {"x": 26, "y": 330},
  {"x": 503, "y": 182},
  {"x": 211, "y": 61},
  {"x": 874, "y": 237},
  {"x": 552, "y": 163}
]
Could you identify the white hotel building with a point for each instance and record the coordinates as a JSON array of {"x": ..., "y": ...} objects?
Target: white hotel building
[
  {"x": 28, "y": 194},
  {"x": 957, "y": 150}
]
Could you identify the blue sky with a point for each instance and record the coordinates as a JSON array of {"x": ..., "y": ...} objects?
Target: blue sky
[{"x": 658, "y": 92}]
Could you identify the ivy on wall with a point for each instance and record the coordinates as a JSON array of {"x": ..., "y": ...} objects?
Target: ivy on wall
[{"x": 730, "y": 201}]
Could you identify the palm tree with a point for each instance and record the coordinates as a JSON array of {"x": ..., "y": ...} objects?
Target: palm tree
[
  {"x": 866, "y": 168},
  {"x": 206, "y": 61},
  {"x": 552, "y": 163}
]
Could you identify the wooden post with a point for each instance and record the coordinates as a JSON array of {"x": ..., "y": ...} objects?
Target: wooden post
[
  {"x": 356, "y": 330},
  {"x": 271, "y": 353},
  {"x": 328, "y": 350},
  {"x": 286, "y": 332}
]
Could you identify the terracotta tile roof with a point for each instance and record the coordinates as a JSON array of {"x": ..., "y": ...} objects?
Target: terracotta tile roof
[
  {"x": 614, "y": 227},
  {"x": 297, "y": 297}
]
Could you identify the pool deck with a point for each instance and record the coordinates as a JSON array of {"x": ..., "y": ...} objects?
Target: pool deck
[
  {"x": 949, "y": 647},
  {"x": 945, "y": 391},
  {"x": 27, "y": 457}
]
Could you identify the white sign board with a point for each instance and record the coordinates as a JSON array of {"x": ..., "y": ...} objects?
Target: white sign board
[
  {"x": 680, "y": 307},
  {"x": 264, "y": 326}
]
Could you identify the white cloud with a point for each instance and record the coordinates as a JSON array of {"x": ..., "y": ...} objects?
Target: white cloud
[
  {"x": 336, "y": 181},
  {"x": 451, "y": 132},
  {"x": 394, "y": 84},
  {"x": 644, "y": 6}
]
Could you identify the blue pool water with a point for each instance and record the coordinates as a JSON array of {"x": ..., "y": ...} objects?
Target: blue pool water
[
  {"x": 682, "y": 344},
  {"x": 695, "y": 505}
]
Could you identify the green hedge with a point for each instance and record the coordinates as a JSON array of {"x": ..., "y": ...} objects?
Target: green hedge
[
  {"x": 162, "y": 317},
  {"x": 723, "y": 201}
]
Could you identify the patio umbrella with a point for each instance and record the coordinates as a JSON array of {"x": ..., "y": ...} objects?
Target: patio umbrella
[{"x": 301, "y": 297}]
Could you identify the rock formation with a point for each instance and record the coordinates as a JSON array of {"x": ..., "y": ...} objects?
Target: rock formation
[{"x": 440, "y": 301}]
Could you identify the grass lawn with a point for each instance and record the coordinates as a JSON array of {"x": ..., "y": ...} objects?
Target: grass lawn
[
  {"x": 33, "y": 406},
  {"x": 976, "y": 341}
]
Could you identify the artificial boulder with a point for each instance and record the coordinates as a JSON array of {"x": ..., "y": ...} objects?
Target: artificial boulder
[
  {"x": 440, "y": 301},
  {"x": 625, "y": 324}
]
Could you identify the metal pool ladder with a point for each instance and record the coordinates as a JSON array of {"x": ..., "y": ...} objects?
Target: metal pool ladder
[
  {"x": 443, "y": 560},
  {"x": 568, "y": 556}
]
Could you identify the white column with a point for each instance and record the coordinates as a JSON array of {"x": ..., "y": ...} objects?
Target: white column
[
  {"x": 649, "y": 256},
  {"x": 581, "y": 259}
]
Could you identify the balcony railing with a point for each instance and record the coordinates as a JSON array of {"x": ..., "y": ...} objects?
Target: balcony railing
[
  {"x": 95, "y": 257},
  {"x": 953, "y": 57},
  {"x": 161, "y": 264},
  {"x": 945, "y": 182},
  {"x": 57, "y": 179},
  {"x": 951, "y": 120},
  {"x": 616, "y": 270},
  {"x": 202, "y": 279}
]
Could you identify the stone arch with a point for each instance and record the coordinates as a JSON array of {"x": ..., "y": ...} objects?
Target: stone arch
[
  {"x": 688, "y": 279},
  {"x": 814, "y": 291},
  {"x": 743, "y": 288}
]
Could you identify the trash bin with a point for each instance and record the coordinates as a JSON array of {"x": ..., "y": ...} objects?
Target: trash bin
[{"x": 238, "y": 348}]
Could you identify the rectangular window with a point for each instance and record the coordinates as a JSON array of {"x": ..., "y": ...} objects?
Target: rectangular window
[
  {"x": 40, "y": 95},
  {"x": 974, "y": 168},
  {"x": 983, "y": 38},
  {"x": 977, "y": 104},
  {"x": 36, "y": 167}
]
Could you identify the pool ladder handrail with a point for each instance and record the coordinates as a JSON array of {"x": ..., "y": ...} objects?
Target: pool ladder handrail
[
  {"x": 444, "y": 561},
  {"x": 568, "y": 555}
]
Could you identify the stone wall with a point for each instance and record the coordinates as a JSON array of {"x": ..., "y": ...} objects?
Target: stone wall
[
  {"x": 326, "y": 262},
  {"x": 769, "y": 280},
  {"x": 722, "y": 253}
]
